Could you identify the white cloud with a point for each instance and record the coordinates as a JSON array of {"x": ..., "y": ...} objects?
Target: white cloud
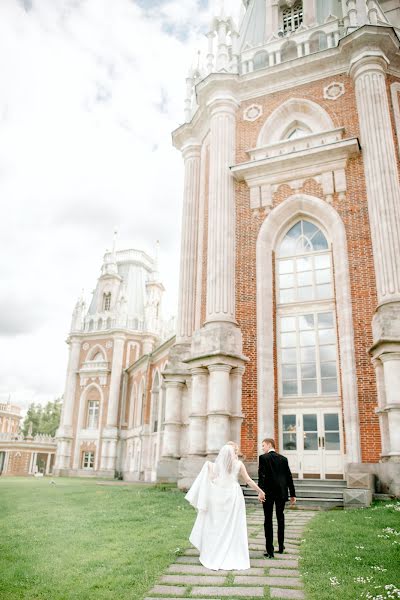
[{"x": 91, "y": 90}]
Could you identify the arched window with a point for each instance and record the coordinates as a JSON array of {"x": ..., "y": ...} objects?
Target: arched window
[
  {"x": 296, "y": 130},
  {"x": 92, "y": 408},
  {"x": 155, "y": 392},
  {"x": 306, "y": 313},
  {"x": 260, "y": 60},
  {"x": 291, "y": 17},
  {"x": 106, "y": 301}
]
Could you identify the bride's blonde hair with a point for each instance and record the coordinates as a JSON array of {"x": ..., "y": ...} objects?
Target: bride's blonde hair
[
  {"x": 235, "y": 447},
  {"x": 225, "y": 460}
]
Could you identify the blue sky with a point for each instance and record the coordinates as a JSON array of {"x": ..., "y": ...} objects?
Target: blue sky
[{"x": 91, "y": 90}]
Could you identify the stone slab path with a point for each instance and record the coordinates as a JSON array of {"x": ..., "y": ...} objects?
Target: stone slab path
[{"x": 279, "y": 578}]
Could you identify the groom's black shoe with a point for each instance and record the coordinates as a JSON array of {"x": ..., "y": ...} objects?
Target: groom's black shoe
[
  {"x": 269, "y": 554},
  {"x": 281, "y": 549}
]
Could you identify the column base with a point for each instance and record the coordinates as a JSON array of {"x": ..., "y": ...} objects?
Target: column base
[
  {"x": 189, "y": 468},
  {"x": 168, "y": 470}
]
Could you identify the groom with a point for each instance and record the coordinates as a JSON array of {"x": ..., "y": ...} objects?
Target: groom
[{"x": 274, "y": 478}]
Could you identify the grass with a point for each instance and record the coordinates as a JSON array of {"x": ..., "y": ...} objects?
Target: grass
[
  {"x": 353, "y": 554},
  {"x": 81, "y": 540}
]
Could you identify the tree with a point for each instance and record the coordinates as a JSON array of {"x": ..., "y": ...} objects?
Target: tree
[{"x": 44, "y": 419}]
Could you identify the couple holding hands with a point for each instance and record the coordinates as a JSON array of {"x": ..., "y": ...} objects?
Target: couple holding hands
[{"x": 220, "y": 529}]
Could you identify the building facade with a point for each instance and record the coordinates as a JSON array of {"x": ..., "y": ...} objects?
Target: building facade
[
  {"x": 289, "y": 308},
  {"x": 107, "y": 426},
  {"x": 19, "y": 455},
  {"x": 289, "y": 302}
]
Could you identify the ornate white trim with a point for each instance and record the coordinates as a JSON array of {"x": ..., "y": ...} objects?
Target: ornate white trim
[
  {"x": 395, "y": 90},
  {"x": 273, "y": 226},
  {"x": 334, "y": 90},
  {"x": 252, "y": 112}
]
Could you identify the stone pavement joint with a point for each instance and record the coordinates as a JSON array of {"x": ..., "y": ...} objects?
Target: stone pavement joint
[{"x": 186, "y": 578}]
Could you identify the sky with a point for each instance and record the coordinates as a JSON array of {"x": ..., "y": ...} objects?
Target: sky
[{"x": 90, "y": 91}]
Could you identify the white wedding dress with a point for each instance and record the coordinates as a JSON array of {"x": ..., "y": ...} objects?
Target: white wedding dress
[{"x": 220, "y": 529}]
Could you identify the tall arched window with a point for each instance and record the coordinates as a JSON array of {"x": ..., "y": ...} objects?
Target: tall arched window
[
  {"x": 306, "y": 315},
  {"x": 92, "y": 408},
  {"x": 155, "y": 393},
  {"x": 107, "y": 301}
]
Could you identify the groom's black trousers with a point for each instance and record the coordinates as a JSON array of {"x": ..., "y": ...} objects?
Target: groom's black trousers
[{"x": 268, "y": 507}]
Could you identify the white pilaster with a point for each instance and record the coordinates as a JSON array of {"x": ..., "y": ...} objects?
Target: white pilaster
[
  {"x": 236, "y": 403},
  {"x": 218, "y": 419},
  {"x": 198, "y": 412},
  {"x": 391, "y": 369},
  {"x": 187, "y": 284},
  {"x": 115, "y": 381},
  {"x": 381, "y": 173},
  {"x": 381, "y": 410},
  {"x": 221, "y": 213},
  {"x": 173, "y": 418}
]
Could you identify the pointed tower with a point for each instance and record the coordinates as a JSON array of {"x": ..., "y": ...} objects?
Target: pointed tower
[{"x": 123, "y": 322}]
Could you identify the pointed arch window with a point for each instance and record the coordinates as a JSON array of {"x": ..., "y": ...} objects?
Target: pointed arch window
[
  {"x": 307, "y": 337},
  {"x": 106, "y": 301},
  {"x": 292, "y": 17},
  {"x": 93, "y": 414},
  {"x": 155, "y": 392}
]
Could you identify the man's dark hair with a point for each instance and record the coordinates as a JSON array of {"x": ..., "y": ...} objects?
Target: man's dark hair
[{"x": 269, "y": 441}]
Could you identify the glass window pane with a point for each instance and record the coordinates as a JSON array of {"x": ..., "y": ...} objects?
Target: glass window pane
[
  {"x": 329, "y": 386},
  {"x": 289, "y": 371},
  {"x": 326, "y": 336},
  {"x": 286, "y": 295},
  {"x": 289, "y": 441},
  {"x": 306, "y": 322},
  {"x": 289, "y": 356},
  {"x": 322, "y": 261},
  {"x": 288, "y": 340},
  {"x": 286, "y": 281},
  {"x": 331, "y": 422},
  {"x": 332, "y": 441},
  {"x": 327, "y": 352},
  {"x": 289, "y": 422},
  {"x": 310, "y": 441},
  {"x": 303, "y": 264},
  {"x": 308, "y": 371},
  {"x": 325, "y": 320},
  {"x": 323, "y": 276},
  {"x": 309, "y": 229},
  {"x": 294, "y": 232},
  {"x": 307, "y": 354},
  {"x": 324, "y": 291},
  {"x": 310, "y": 422},
  {"x": 309, "y": 386},
  {"x": 305, "y": 278},
  {"x": 285, "y": 266},
  {"x": 319, "y": 241},
  {"x": 288, "y": 247},
  {"x": 289, "y": 388},
  {"x": 288, "y": 324},
  {"x": 305, "y": 293},
  {"x": 328, "y": 369},
  {"x": 307, "y": 338}
]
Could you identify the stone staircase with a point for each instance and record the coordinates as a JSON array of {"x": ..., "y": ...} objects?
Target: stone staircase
[{"x": 319, "y": 494}]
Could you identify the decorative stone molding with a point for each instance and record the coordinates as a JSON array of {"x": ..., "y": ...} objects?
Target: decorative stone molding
[
  {"x": 363, "y": 481},
  {"x": 109, "y": 344},
  {"x": 85, "y": 346},
  {"x": 334, "y": 90},
  {"x": 357, "y": 498},
  {"x": 252, "y": 112}
]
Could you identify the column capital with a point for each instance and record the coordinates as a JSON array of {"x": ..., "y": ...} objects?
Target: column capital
[
  {"x": 238, "y": 371},
  {"x": 191, "y": 149},
  {"x": 225, "y": 104},
  {"x": 199, "y": 371},
  {"x": 362, "y": 63},
  {"x": 389, "y": 356},
  {"x": 223, "y": 368},
  {"x": 171, "y": 383}
]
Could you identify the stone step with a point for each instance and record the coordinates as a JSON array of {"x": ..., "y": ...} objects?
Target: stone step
[
  {"x": 270, "y": 581},
  {"x": 286, "y": 593},
  {"x": 232, "y": 592}
]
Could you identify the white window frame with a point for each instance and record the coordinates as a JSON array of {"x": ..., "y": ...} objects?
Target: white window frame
[
  {"x": 91, "y": 413},
  {"x": 301, "y": 307},
  {"x": 107, "y": 302},
  {"x": 292, "y": 17},
  {"x": 89, "y": 458}
]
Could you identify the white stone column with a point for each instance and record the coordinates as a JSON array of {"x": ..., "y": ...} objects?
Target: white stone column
[
  {"x": 173, "y": 420},
  {"x": 110, "y": 432},
  {"x": 391, "y": 369},
  {"x": 198, "y": 412},
  {"x": 381, "y": 410},
  {"x": 48, "y": 464},
  {"x": 65, "y": 433},
  {"x": 236, "y": 403},
  {"x": 381, "y": 173},
  {"x": 221, "y": 213},
  {"x": 218, "y": 419},
  {"x": 190, "y": 217}
]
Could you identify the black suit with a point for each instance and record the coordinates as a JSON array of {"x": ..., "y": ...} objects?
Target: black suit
[{"x": 274, "y": 478}]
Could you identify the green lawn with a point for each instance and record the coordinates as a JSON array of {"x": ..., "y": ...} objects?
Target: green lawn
[
  {"x": 353, "y": 554},
  {"x": 81, "y": 540}
]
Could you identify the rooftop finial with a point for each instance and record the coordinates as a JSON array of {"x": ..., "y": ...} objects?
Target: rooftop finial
[{"x": 115, "y": 236}]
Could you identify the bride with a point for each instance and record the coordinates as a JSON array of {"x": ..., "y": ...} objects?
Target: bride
[{"x": 220, "y": 529}]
